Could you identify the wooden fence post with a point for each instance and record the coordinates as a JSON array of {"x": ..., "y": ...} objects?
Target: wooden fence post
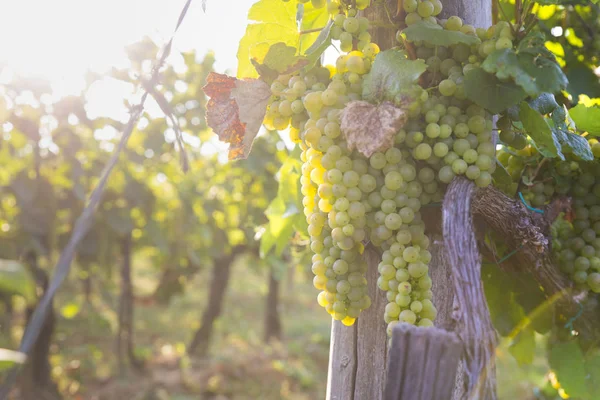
[{"x": 422, "y": 363}]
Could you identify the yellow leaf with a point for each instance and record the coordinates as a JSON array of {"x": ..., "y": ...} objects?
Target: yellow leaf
[
  {"x": 546, "y": 12},
  {"x": 70, "y": 310},
  {"x": 269, "y": 22}
]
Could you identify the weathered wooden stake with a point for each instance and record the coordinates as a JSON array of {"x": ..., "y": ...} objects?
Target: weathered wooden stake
[{"x": 422, "y": 364}]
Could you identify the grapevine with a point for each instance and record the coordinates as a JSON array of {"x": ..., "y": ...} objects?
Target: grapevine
[{"x": 351, "y": 199}]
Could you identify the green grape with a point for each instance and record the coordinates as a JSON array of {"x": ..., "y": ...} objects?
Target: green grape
[
  {"x": 459, "y": 167},
  {"x": 453, "y": 23},
  {"x": 410, "y": 5},
  {"x": 362, "y": 4},
  {"x": 412, "y": 18},
  {"x": 425, "y": 9},
  {"x": 447, "y": 87},
  {"x": 423, "y": 151},
  {"x": 503, "y": 43},
  {"x": 473, "y": 172},
  {"x": 351, "y": 25},
  {"x": 437, "y": 7}
]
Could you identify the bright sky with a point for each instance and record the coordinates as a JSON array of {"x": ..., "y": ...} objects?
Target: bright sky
[{"x": 61, "y": 39}]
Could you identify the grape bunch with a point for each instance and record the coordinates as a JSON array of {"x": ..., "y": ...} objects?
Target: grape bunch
[
  {"x": 576, "y": 236},
  {"x": 349, "y": 199},
  {"x": 577, "y": 243}
]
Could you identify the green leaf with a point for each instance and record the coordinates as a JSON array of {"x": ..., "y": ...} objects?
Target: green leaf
[
  {"x": 523, "y": 347},
  {"x": 15, "y": 279},
  {"x": 285, "y": 211},
  {"x": 312, "y": 18},
  {"x": 544, "y": 103},
  {"x": 270, "y": 22},
  {"x": 501, "y": 175},
  {"x": 487, "y": 91},
  {"x": 505, "y": 312},
  {"x": 436, "y": 35},
  {"x": 314, "y": 52},
  {"x": 534, "y": 73},
  {"x": 8, "y": 358},
  {"x": 592, "y": 366},
  {"x": 280, "y": 59},
  {"x": 537, "y": 128},
  {"x": 566, "y": 359},
  {"x": 586, "y": 118},
  {"x": 574, "y": 144},
  {"x": 582, "y": 80},
  {"x": 391, "y": 74}
]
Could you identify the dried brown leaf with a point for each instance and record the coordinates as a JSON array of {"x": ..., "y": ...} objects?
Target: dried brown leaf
[
  {"x": 236, "y": 110},
  {"x": 371, "y": 128}
]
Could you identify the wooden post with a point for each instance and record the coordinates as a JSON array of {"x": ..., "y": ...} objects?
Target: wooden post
[
  {"x": 422, "y": 363},
  {"x": 358, "y": 354},
  {"x": 357, "y": 357}
]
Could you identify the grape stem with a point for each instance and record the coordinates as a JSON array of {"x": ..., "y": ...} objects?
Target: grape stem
[{"x": 538, "y": 168}]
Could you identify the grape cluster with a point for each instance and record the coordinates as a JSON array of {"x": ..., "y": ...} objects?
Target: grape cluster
[
  {"x": 577, "y": 243},
  {"x": 349, "y": 28},
  {"x": 576, "y": 237},
  {"x": 448, "y": 132},
  {"x": 350, "y": 199}
]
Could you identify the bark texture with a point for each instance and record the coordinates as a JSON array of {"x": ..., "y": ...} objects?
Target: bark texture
[
  {"x": 425, "y": 363},
  {"x": 125, "y": 341},
  {"x": 272, "y": 318},
  {"x": 36, "y": 380},
  {"x": 221, "y": 272},
  {"x": 474, "y": 325}
]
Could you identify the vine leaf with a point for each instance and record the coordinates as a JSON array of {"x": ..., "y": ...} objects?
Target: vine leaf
[
  {"x": 573, "y": 143},
  {"x": 436, "y": 35},
  {"x": 312, "y": 19},
  {"x": 544, "y": 103},
  {"x": 280, "y": 59},
  {"x": 490, "y": 93},
  {"x": 535, "y": 73},
  {"x": 501, "y": 175},
  {"x": 540, "y": 132},
  {"x": 566, "y": 359},
  {"x": 523, "y": 347},
  {"x": 269, "y": 22},
  {"x": 391, "y": 74},
  {"x": 285, "y": 211},
  {"x": 323, "y": 41},
  {"x": 236, "y": 110},
  {"x": 370, "y": 128},
  {"x": 569, "y": 142},
  {"x": 586, "y": 118}
]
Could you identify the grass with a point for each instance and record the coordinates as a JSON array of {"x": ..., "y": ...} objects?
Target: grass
[{"x": 240, "y": 367}]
